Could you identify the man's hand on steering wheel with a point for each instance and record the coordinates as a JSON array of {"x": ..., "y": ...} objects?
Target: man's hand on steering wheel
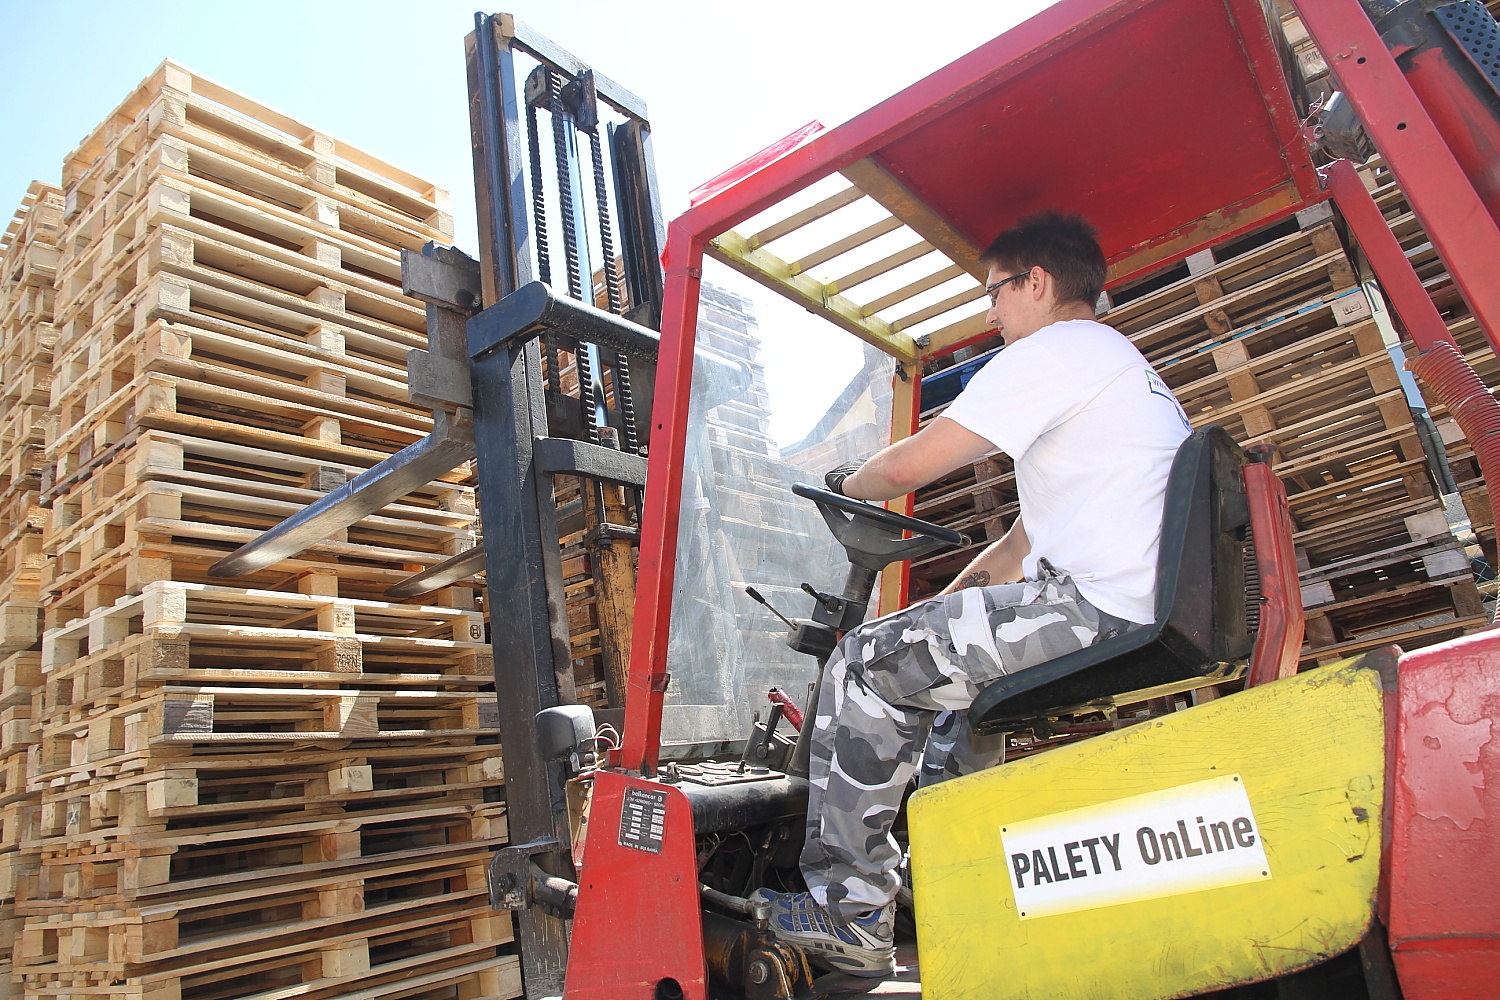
[{"x": 834, "y": 478}]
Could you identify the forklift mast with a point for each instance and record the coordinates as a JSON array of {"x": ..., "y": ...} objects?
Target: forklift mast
[{"x": 529, "y": 427}]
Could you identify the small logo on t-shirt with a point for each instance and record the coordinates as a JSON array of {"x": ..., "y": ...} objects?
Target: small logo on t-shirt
[{"x": 1159, "y": 388}]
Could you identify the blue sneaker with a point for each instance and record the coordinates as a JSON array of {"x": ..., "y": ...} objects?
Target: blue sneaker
[{"x": 863, "y": 946}]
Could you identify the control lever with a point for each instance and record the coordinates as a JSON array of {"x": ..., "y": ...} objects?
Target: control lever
[
  {"x": 758, "y": 748},
  {"x": 789, "y": 708},
  {"x": 829, "y": 603},
  {"x": 811, "y": 637},
  {"x": 756, "y": 596}
]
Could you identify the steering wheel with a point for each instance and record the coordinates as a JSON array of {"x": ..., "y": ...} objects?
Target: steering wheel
[
  {"x": 872, "y": 536},
  {"x": 880, "y": 515}
]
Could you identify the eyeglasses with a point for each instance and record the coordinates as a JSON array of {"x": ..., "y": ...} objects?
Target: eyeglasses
[{"x": 993, "y": 291}]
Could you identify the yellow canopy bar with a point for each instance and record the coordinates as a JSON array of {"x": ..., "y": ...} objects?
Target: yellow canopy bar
[{"x": 763, "y": 266}]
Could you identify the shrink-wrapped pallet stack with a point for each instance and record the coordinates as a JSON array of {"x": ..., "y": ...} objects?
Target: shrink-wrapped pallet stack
[
  {"x": 1272, "y": 336},
  {"x": 28, "y": 266},
  {"x": 740, "y": 450},
  {"x": 281, "y": 784}
]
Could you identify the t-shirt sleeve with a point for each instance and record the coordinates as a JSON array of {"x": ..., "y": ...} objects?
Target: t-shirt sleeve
[{"x": 1016, "y": 398}]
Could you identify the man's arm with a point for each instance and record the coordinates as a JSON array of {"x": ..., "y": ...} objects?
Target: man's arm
[
  {"x": 999, "y": 563},
  {"x": 929, "y": 454}
]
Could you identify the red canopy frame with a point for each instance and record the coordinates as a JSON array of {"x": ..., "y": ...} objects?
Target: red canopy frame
[{"x": 1168, "y": 123}]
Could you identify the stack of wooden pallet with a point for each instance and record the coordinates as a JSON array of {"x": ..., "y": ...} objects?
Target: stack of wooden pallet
[
  {"x": 1272, "y": 337},
  {"x": 28, "y": 255},
  {"x": 28, "y": 265},
  {"x": 1403, "y": 222},
  {"x": 1467, "y": 333},
  {"x": 286, "y": 784}
]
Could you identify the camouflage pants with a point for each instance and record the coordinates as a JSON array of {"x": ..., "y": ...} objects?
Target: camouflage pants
[{"x": 898, "y": 688}]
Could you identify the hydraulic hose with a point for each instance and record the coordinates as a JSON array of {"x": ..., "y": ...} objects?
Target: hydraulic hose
[
  {"x": 1470, "y": 403},
  {"x": 1458, "y": 386}
]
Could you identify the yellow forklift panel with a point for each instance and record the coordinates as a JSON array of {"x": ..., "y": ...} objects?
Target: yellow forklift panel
[{"x": 1225, "y": 844}]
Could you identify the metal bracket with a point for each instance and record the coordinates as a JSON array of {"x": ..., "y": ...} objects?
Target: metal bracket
[
  {"x": 580, "y": 458},
  {"x": 441, "y": 276},
  {"x": 437, "y": 382},
  {"x": 606, "y": 532},
  {"x": 517, "y": 883},
  {"x": 583, "y": 99},
  {"x": 534, "y": 309},
  {"x": 448, "y": 281}
]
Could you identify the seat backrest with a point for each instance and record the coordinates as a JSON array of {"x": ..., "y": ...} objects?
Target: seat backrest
[
  {"x": 1201, "y": 603},
  {"x": 1200, "y": 569}
]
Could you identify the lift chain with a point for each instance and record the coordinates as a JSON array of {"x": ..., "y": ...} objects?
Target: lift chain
[
  {"x": 565, "y": 187},
  {"x": 623, "y": 400},
  {"x": 606, "y": 235},
  {"x": 538, "y": 197}
]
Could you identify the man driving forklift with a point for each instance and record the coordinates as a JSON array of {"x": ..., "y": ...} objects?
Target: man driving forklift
[{"x": 1093, "y": 431}]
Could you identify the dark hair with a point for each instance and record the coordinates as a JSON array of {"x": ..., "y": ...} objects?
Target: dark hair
[{"x": 1066, "y": 246}]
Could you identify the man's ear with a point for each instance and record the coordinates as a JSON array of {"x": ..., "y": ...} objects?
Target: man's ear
[{"x": 1041, "y": 285}]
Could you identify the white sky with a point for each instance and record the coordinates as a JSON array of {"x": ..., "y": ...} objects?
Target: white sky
[{"x": 719, "y": 81}]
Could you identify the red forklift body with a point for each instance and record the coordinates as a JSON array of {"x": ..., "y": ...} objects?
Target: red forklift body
[{"x": 1444, "y": 856}]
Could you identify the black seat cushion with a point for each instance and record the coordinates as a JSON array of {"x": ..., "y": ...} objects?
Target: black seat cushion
[{"x": 1201, "y": 617}]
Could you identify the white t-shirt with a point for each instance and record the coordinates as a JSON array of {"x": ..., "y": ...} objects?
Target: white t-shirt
[{"x": 1093, "y": 430}]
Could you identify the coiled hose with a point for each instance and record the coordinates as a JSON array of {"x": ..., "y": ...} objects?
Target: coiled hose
[{"x": 1470, "y": 403}]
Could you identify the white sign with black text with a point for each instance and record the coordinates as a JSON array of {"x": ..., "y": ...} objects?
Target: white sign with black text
[{"x": 1185, "y": 839}]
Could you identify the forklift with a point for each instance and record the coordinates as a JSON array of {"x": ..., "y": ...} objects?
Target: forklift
[{"x": 1176, "y": 853}]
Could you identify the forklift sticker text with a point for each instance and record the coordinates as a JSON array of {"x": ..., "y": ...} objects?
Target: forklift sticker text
[{"x": 1184, "y": 839}]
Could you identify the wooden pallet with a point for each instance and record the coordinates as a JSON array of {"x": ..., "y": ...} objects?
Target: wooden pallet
[
  {"x": 309, "y": 164},
  {"x": 284, "y": 940},
  {"x": 23, "y": 562},
  {"x": 259, "y": 620},
  {"x": 161, "y": 506},
  {"x": 149, "y": 537},
  {"x": 185, "y": 802},
  {"x": 187, "y": 396},
  {"x": 196, "y": 275},
  {"x": 339, "y": 897}
]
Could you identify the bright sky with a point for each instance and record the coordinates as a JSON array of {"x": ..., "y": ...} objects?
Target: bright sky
[{"x": 388, "y": 76}]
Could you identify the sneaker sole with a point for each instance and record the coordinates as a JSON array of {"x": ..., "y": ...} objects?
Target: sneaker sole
[{"x": 849, "y": 959}]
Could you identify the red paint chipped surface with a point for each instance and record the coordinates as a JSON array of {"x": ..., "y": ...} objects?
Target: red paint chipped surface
[
  {"x": 1447, "y": 757},
  {"x": 1445, "y": 825}
]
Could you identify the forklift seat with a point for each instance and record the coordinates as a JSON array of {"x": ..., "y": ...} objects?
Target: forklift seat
[{"x": 1207, "y": 605}]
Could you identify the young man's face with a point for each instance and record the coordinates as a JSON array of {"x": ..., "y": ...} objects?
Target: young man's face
[{"x": 1012, "y": 302}]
